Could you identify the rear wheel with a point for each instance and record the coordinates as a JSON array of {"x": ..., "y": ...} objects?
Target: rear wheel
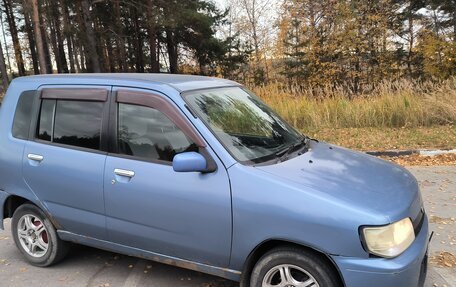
[
  {"x": 293, "y": 267},
  {"x": 36, "y": 237}
]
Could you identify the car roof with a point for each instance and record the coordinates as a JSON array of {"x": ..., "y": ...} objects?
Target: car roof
[{"x": 182, "y": 83}]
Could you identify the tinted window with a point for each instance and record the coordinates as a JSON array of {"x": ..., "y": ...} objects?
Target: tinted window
[
  {"x": 46, "y": 120},
  {"x": 78, "y": 123},
  {"x": 148, "y": 133},
  {"x": 21, "y": 123}
]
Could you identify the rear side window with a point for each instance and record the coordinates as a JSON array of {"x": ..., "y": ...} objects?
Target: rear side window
[
  {"x": 74, "y": 123},
  {"x": 22, "y": 116},
  {"x": 147, "y": 133}
]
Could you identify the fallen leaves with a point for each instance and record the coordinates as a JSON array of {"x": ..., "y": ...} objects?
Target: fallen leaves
[
  {"x": 416, "y": 159},
  {"x": 377, "y": 139},
  {"x": 444, "y": 259},
  {"x": 441, "y": 220}
]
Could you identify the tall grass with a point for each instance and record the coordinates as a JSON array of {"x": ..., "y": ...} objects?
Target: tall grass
[{"x": 391, "y": 104}]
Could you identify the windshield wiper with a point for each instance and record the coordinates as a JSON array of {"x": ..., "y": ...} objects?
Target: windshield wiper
[{"x": 284, "y": 153}]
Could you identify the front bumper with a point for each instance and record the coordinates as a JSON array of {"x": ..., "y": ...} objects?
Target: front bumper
[{"x": 407, "y": 270}]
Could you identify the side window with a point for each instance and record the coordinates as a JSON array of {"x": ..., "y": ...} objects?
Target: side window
[
  {"x": 75, "y": 123},
  {"x": 22, "y": 117},
  {"x": 147, "y": 133}
]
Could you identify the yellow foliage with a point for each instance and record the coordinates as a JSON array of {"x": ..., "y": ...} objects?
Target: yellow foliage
[{"x": 399, "y": 104}]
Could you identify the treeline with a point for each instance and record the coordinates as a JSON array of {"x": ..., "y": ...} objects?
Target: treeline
[
  {"x": 355, "y": 44},
  {"x": 360, "y": 43},
  {"x": 73, "y": 36}
]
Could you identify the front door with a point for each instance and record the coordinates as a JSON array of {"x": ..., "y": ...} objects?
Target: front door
[{"x": 150, "y": 206}]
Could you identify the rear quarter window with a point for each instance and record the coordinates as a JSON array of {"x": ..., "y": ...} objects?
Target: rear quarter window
[{"x": 22, "y": 116}]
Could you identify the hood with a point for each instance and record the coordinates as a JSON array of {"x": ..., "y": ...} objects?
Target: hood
[{"x": 354, "y": 178}]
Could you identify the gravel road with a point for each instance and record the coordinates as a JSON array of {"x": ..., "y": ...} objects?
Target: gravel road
[{"x": 91, "y": 267}]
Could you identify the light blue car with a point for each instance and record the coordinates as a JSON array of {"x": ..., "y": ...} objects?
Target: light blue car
[{"x": 199, "y": 173}]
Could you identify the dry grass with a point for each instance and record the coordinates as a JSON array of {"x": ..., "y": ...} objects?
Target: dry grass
[{"x": 398, "y": 104}]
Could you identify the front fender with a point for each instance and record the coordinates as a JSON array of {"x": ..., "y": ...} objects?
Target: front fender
[{"x": 3, "y": 196}]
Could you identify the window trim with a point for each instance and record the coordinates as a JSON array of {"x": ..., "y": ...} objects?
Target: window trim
[
  {"x": 83, "y": 94},
  {"x": 160, "y": 103}
]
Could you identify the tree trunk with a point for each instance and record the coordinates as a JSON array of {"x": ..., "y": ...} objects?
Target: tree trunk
[
  {"x": 75, "y": 55},
  {"x": 110, "y": 57},
  {"x": 67, "y": 32},
  {"x": 138, "y": 47},
  {"x": 58, "y": 34},
  {"x": 91, "y": 47},
  {"x": 152, "y": 35},
  {"x": 120, "y": 41},
  {"x": 411, "y": 43},
  {"x": 172, "y": 52},
  {"x": 31, "y": 37},
  {"x": 5, "y": 80},
  {"x": 38, "y": 37},
  {"x": 14, "y": 36},
  {"x": 53, "y": 37},
  {"x": 101, "y": 39},
  {"x": 6, "y": 46},
  {"x": 44, "y": 38}
]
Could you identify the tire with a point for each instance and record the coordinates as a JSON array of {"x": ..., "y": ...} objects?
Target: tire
[
  {"x": 302, "y": 265},
  {"x": 36, "y": 237}
]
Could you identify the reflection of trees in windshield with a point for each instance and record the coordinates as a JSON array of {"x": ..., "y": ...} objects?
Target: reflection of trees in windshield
[
  {"x": 234, "y": 116},
  {"x": 248, "y": 128}
]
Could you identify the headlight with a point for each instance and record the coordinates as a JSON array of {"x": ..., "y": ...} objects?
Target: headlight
[{"x": 391, "y": 240}]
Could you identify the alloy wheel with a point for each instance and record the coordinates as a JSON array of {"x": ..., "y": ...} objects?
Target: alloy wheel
[
  {"x": 287, "y": 275},
  {"x": 33, "y": 235}
]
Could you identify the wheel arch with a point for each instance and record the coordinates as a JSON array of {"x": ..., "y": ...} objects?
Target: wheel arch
[
  {"x": 270, "y": 244},
  {"x": 13, "y": 201}
]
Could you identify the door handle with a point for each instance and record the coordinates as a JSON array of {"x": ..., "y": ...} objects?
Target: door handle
[
  {"x": 124, "y": 172},
  {"x": 35, "y": 157}
]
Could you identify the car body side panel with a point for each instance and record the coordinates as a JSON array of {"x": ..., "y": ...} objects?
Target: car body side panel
[
  {"x": 70, "y": 183},
  {"x": 267, "y": 208},
  {"x": 11, "y": 149},
  {"x": 185, "y": 215}
]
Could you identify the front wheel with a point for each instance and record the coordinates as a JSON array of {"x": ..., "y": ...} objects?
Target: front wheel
[
  {"x": 36, "y": 237},
  {"x": 293, "y": 267}
]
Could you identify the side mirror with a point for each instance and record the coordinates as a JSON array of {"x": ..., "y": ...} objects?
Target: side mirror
[{"x": 189, "y": 162}]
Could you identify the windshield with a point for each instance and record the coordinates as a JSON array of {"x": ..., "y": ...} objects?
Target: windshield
[{"x": 248, "y": 128}]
